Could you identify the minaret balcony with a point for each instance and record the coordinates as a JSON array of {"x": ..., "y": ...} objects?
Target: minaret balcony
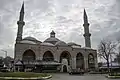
[
  {"x": 21, "y": 22},
  {"x": 87, "y": 35},
  {"x": 86, "y": 24}
]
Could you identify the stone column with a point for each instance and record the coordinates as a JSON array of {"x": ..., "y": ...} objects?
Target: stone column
[
  {"x": 57, "y": 57},
  {"x": 96, "y": 63},
  {"x": 86, "y": 63},
  {"x": 40, "y": 54},
  {"x": 41, "y": 57},
  {"x": 37, "y": 55},
  {"x": 73, "y": 63}
]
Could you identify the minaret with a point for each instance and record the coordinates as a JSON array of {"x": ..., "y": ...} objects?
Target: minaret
[
  {"x": 20, "y": 23},
  {"x": 86, "y": 30}
]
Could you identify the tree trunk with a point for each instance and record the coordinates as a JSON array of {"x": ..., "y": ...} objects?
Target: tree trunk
[{"x": 108, "y": 65}]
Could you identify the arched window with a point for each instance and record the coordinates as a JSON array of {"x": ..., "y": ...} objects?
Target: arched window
[
  {"x": 91, "y": 58},
  {"x": 91, "y": 63},
  {"x": 80, "y": 61},
  {"x": 48, "y": 56},
  {"x": 28, "y": 55}
]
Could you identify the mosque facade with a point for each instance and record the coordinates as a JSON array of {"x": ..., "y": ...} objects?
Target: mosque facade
[{"x": 53, "y": 54}]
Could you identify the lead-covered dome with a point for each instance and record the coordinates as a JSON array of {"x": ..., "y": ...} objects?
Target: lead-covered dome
[
  {"x": 61, "y": 43},
  {"x": 74, "y": 45},
  {"x": 46, "y": 44},
  {"x": 30, "y": 38},
  {"x": 27, "y": 42},
  {"x": 71, "y": 43},
  {"x": 52, "y": 39}
]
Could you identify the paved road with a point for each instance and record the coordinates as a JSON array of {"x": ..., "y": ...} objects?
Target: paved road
[{"x": 65, "y": 76}]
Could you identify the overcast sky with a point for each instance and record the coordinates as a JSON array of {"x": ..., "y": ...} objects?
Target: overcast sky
[{"x": 65, "y": 17}]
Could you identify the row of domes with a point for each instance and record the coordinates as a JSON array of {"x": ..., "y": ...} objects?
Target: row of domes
[{"x": 52, "y": 41}]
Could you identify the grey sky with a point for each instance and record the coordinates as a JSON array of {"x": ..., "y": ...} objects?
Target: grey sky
[{"x": 65, "y": 17}]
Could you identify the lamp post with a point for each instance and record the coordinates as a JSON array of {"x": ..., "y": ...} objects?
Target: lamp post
[{"x": 5, "y": 53}]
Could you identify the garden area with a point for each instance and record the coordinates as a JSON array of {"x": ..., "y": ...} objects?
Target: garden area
[
  {"x": 113, "y": 76},
  {"x": 23, "y": 76}
]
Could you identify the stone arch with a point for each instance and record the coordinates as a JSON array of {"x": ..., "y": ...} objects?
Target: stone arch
[
  {"x": 28, "y": 55},
  {"x": 48, "y": 56},
  {"x": 80, "y": 61},
  {"x": 91, "y": 61},
  {"x": 65, "y": 55}
]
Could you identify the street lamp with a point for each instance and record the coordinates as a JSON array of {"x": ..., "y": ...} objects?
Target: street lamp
[{"x": 5, "y": 52}]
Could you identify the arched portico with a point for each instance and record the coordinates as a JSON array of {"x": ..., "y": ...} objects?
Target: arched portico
[
  {"x": 65, "y": 59},
  {"x": 65, "y": 55},
  {"x": 28, "y": 55},
  {"x": 48, "y": 56},
  {"x": 79, "y": 61}
]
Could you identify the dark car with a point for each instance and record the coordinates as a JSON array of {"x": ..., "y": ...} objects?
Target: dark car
[{"x": 76, "y": 71}]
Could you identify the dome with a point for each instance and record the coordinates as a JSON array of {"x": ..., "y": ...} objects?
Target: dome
[
  {"x": 86, "y": 47},
  {"x": 75, "y": 46},
  {"x": 27, "y": 42},
  {"x": 52, "y": 40},
  {"x": 61, "y": 43},
  {"x": 71, "y": 43},
  {"x": 30, "y": 38},
  {"x": 46, "y": 44}
]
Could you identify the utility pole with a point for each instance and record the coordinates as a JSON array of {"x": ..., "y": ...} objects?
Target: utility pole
[{"x": 5, "y": 53}]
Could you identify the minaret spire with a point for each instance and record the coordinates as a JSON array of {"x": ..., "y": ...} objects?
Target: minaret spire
[
  {"x": 20, "y": 23},
  {"x": 85, "y": 17},
  {"x": 86, "y": 30},
  {"x": 22, "y": 9},
  {"x": 21, "y": 18}
]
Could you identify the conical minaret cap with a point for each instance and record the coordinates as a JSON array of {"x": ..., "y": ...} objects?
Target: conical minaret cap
[
  {"x": 85, "y": 17},
  {"x": 22, "y": 9}
]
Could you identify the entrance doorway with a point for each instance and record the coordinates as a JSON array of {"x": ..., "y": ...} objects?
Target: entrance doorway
[
  {"x": 65, "y": 55},
  {"x": 64, "y": 68}
]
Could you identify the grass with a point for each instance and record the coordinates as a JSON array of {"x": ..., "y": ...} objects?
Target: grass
[
  {"x": 23, "y": 74},
  {"x": 113, "y": 76}
]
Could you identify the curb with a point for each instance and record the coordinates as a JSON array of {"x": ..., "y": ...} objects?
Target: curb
[
  {"x": 32, "y": 78},
  {"x": 48, "y": 77}
]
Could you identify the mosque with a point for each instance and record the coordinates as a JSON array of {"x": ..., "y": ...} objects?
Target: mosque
[{"x": 53, "y": 54}]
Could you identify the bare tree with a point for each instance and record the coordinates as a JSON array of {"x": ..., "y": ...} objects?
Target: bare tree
[
  {"x": 117, "y": 59},
  {"x": 106, "y": 48}
]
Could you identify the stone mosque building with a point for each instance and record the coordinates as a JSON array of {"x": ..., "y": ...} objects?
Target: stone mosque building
[{"x": 53, "y": 54}]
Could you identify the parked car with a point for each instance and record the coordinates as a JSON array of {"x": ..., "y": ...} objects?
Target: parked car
[{"x": 76, "y": 71}]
